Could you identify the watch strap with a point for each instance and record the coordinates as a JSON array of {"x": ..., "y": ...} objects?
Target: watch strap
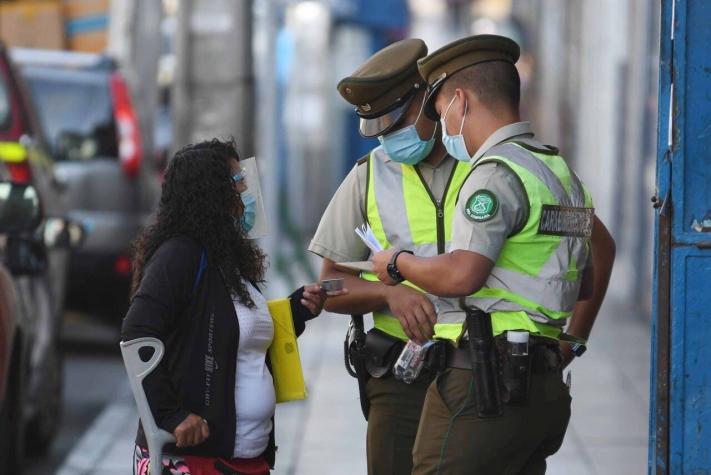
[{"x": 392, "y": 269}]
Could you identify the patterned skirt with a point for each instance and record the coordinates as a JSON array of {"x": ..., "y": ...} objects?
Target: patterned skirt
[{"x": 193, "y": 465}]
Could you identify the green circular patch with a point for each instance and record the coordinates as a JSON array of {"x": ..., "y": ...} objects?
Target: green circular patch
[{"x": 481, "y": 206}]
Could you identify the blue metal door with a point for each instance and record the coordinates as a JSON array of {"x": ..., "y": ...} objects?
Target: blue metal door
[{"x": 680, "y": 409}]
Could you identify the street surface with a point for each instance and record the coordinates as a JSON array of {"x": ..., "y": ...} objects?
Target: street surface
[{"x": 90, "y": 382}]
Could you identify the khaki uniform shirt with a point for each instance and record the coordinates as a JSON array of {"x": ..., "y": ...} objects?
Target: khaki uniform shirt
[
  {"x": 335, "y": 237},
  {"x": 488, "y": 237}
]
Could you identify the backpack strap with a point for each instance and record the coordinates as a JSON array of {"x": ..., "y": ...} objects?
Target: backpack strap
[{"x": 200, "y": 272}]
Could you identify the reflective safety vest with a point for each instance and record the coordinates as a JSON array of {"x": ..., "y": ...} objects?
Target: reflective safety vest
[
  {"x": 536, "y": 279},
  {"x": 403, "y": 213}
]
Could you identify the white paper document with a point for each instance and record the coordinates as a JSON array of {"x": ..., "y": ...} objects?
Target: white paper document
[{"x": 365, "y": 233}]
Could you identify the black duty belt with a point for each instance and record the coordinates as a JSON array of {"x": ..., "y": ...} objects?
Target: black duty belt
[
  {"x": 545, "y": 357},
  {"x": 459, "y": 357}
]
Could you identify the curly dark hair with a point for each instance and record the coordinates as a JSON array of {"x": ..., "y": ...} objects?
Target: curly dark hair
[{"x": 197, "y": 200}]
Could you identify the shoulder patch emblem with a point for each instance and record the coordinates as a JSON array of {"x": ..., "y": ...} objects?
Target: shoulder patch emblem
[{"x": 481, "y": 206}]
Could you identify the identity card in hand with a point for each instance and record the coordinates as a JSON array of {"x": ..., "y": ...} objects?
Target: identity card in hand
[{"x": 365, "y": 233}]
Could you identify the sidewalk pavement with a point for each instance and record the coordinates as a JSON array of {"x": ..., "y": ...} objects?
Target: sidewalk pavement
[{"x": 326, "y": 433}]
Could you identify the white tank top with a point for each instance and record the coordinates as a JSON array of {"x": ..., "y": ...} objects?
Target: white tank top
[{"x": 255, "y": 400}]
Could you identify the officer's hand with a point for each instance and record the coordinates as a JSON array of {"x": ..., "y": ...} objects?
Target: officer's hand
[
  {"x": 567, "y": 353},
  {"x": 192, "y": 431},
  {"x": 414, "y": 311},
  {"x": 314, "y": 297},
  {"x": 380, "y": 265}
]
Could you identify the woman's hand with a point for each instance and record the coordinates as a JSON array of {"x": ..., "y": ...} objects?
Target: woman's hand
[
  {"x": 314, "y": 297},
  {"x": 192, "y": 431}
]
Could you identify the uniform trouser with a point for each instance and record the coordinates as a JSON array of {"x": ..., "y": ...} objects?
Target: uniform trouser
[
  {"x": 395, "y": 409},
  {"x": 453, "y": 440}
]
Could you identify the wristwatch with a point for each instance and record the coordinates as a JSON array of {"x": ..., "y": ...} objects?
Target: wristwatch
[
  {"x": 578, "y": 349},
  {"x": 392, "y": 269},
  {"x": 577, "y": 345}
]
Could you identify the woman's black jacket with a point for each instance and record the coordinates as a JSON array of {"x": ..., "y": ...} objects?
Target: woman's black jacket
[{"x": 195, "y": 318}]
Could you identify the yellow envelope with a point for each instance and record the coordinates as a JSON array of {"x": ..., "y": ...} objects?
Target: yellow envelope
[{"x": 284, "y": 354}]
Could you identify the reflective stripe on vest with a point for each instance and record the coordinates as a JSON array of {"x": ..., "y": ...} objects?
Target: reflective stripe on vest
[
  {"x": 536, "y": 279},
  {"x": 403, "y": 214}
]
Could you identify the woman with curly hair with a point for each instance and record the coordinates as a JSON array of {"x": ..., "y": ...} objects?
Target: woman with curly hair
[{"x": 195, "y": 287}]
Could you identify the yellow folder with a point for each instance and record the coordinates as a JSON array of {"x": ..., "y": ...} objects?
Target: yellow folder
[{"x": 284, "y": 354}]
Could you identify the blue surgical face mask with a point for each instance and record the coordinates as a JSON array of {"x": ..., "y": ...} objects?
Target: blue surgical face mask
[
  {"x": 405, "y": 145},
  {"x": 455, "y": 144},
  {"x": 249, "y": 214}
]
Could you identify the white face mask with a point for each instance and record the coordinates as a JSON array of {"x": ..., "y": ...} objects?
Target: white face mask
[{"x": 455, "y": 144}]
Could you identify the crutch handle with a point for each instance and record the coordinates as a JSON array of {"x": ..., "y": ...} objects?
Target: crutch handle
[{"x": 137, "y": 370}]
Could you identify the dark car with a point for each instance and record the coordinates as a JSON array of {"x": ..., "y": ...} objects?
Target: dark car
[
  {"x": 30, "y": 363},
  {"x": 10, "y": 373},
  {"x": 91, "y": 127}
]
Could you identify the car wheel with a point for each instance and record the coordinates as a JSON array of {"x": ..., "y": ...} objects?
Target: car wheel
[
  {"x": 43, "y": 425},
  {"x": 12, "y": 424}
]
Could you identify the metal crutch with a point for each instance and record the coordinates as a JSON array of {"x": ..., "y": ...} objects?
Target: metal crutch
[{"x": 138, "y": 369}]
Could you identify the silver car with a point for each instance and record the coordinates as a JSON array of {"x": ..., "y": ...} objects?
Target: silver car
[{"x": 90, "y": 125}]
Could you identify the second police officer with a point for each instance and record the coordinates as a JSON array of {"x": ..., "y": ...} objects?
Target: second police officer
[{"x": 524, "y": 245}]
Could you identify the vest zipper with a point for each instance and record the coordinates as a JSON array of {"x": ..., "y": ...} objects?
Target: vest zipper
[
  {"x": 440, "y": 225},
  {"x": 439, "y": 206}
]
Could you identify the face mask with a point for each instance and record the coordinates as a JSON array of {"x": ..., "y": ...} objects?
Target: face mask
[
  {"x": 455, "y": 144},
  {"x": 405, "y": 145},
  {"x": 249, "y": 214}
]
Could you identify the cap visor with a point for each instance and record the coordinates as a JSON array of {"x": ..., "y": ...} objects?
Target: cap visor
[{"x": 376, "y": 126}]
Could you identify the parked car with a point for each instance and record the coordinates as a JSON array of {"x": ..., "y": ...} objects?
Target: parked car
[
  {"x": 32, "y": 277},
  {"x": 91, "y": 127},
  {"x": 30, "y": 363},
  {"x": 24, "y": 158}
]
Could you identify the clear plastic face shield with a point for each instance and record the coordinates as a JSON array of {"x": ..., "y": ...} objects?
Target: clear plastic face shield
[{"x": 254, "y": 219}]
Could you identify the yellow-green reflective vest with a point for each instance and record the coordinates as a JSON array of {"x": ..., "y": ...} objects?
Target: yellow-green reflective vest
[
  {"x": 403, "y": 213},
  {"x": 536, "y": 279}
]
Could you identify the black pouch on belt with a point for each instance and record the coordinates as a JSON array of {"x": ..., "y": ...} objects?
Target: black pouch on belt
[
  {"x": 485, "y": 362},
  {"x": 381, "y": 352},
  {"x": 436, "y": 359},
  {"x": 516, "y": 373},
  {"x": 354, "y": 353}
]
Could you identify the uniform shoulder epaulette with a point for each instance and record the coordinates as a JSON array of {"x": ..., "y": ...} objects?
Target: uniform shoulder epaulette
[
  {"x": 363, "y": 159},
  {"x": 544, "y": 149}
]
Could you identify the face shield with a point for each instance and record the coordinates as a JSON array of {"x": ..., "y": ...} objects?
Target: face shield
[
  {"x": 381, "y": 125},
  {"x": 252, "y": 199}
]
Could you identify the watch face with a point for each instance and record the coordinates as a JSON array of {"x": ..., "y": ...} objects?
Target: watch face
[{"x": 393, "y": 273}]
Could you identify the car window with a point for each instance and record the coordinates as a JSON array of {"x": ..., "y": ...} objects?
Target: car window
[
  {"x": 76, "y": 112},
  {"x": 4, "y": 104}
]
